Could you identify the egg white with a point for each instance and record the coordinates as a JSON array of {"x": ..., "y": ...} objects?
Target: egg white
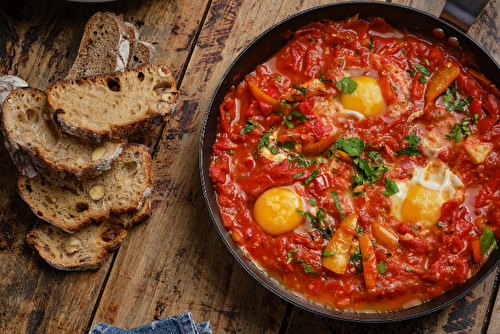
[{"x": 434, "y": 176}]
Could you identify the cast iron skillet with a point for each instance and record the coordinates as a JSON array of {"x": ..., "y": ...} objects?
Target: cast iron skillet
[{"x": 263, "y": 48}]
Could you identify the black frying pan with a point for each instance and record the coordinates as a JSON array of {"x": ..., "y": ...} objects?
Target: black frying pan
[{"x": 267, "y": 45}]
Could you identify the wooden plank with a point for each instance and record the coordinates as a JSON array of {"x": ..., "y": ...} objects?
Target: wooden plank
[
  {"x": 188, "y": 268},
  {"x": 38, "y": 42},
  {"x": 183, "y": 264}
]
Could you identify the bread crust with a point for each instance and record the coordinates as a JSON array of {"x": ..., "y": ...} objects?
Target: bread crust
[
  {"x": 133, "y": 38},
  {"x": 143, "y": 55},
  {"x": 34, "y": 142},
  {"x": 115, "y": 105},
  {"x": 70, "y": 205},
  {"x": 88, "y": 247},
  {"x": 111, "y": 57}
]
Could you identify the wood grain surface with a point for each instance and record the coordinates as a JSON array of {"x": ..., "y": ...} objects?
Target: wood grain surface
[{"x": 176, "y": 261}]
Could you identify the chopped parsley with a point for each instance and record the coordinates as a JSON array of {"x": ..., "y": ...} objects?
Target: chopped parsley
[
  {"x": 352, "y": 146},
  {"x": 461, "y": 130},
  {"x": 356, "y": 259},
  {"x": 348, "y": 85},
  {"x": 371, "y": 47},
  {"x": 274, "y": 150},
  {"x": 300, "y": 115},
  {"x": 264, "y": 140},
  {"x": 231, "y": 151},
  {"x": 328, "y": 253},
  {"x": 288, "y": 145},
  {"x": 323, "y": 79},
  {"x": 286, "y": 121},
  {"x": 249, "y": 126},
  {"x": 459, "y": 105},
  {"x": 391, "y": 187},
  {"x": 423, "y": 71},
  {"x": 375, "y": 156},
  {"x": 367, "y": 172},
  {"x": 414, "y": 140},
  {"x": 313, "y": 201},
  {"x": 307, "y": 268},
  {"x": 408, "y": 269},
  {"x": 289, "y": 254},
  {"x": 311, "y": 177},
  {"x": 302, "y": 90},
  {"x": 316, "y": 222},
  {"x": 487, "y": 240},
  {"x": 381, "y": 268},
  {"x": 337, "y": 204},
  {"x": 298, "y": 175},
  {"x": 302, "y": 161},
  {"x": 452, "y": 98}
]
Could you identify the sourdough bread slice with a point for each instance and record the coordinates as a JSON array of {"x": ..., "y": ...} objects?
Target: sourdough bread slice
[
  {"x": 133, "y": 39},
  {"x": 115, "y": 105},
  {"x": 87, "y": 247},
  {"x": 35, "y": 142},
  {"x": 143, "y": 54},
  {"x": 71, "y": 204},
  {"x": 105, "y": 46}
]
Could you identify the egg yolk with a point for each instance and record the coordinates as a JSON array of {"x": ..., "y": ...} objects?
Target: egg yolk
[
  {"x": 366, "y": 99},
  {"x": 274, "y": 211},
  {"x": 422, "y": 204}
]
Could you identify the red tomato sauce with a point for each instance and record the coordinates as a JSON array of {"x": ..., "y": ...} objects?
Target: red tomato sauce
[{"x": 283, "y": 126}]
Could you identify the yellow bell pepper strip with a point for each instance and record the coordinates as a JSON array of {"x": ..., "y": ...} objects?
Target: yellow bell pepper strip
[
  {"x": 261, "y": 96},
  {"x": 443, "y": 77},
  {"x": 385, "y": 236},
  {"x": 339, "y": 246},
  {"x": 369, "y": 261},
  {"x": 320, "y": 146},
  {"x": 484, "y": 81},
  {"x": 313, "y": 87}
]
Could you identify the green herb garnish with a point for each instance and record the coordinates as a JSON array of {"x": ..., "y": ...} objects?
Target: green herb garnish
[
  {"x": 302, "y": 90},
  {"x": 290, "y": 255},
  {"x": 348, "y": 85},
  {"x": 300, "y": 115},
  {"x": 487, "y": 240},
  {"x": 414, "y": 140},
  {"x": 249, "y": 126},
  {"x": 311, "y": 177},
  {"x": 381, "y": 268},
  {"x": 390, "y": 186}
]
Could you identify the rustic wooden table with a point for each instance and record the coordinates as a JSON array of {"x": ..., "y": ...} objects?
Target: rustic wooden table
[{"x": 176, "y": 261}]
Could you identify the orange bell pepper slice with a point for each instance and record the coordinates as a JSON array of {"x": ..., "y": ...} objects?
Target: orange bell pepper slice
[
  {"x": 261, "y": 96},
  {"x": 340, "y": 244},
  {"x": 385, "y": 236},
  {"x": 476, "y": 251},
  {"x": 320, "y": 146},
  {"x": 313, "y": 87},
  {"x": 443, "y": 77},
  {"x": 369, "y": 259}
]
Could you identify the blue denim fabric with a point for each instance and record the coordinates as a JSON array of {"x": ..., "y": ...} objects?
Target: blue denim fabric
[{"x": 179, "y": 324}]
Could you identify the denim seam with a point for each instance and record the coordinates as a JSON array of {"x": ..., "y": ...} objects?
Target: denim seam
[{"x": 182, "y": 325}]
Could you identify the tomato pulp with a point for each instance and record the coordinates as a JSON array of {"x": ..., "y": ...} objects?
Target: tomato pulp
[{"x": 390, "y": 142}]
